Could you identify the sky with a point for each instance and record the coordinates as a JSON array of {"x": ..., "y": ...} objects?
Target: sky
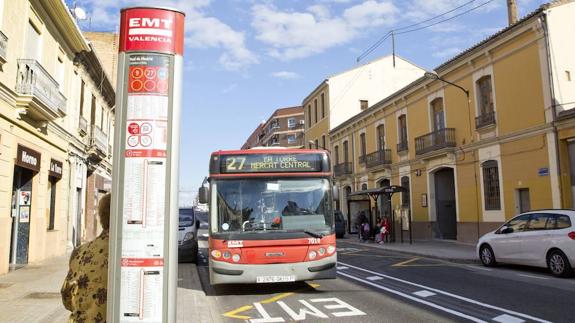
[{"x": 245, "y": 58}]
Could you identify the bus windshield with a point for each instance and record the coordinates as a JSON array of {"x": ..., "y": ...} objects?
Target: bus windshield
[{"x": 277, "y": 205}]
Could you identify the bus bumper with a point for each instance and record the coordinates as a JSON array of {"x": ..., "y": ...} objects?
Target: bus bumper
[{"x": 227, "y": 273}]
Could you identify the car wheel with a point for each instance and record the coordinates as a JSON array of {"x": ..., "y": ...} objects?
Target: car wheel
[
  {"x": 487, "y": 256},
  {"x": 558, "y": 264}
]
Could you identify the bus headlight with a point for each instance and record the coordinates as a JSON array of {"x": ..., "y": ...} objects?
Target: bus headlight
[
  {"x": 312, "y": 254},
  {"x": 227, "y": 254},
  {"x": 216, "y": 254},
  {"x": 236, "y": 257},
  {"x": 330, "y": 249},
  {"x": 321, "y": 251},
  {"x": 189, "y": 236}
]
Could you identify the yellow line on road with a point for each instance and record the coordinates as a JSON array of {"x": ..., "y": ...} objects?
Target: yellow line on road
[
  {"x": 403, "y": 263},
  {"x": 234, "y": 313}
]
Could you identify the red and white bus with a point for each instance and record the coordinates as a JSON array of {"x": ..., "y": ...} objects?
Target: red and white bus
[{"x": 271, "y": 216}]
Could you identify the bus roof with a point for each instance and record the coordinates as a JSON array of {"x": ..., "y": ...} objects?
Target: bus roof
[{"x": 269, "y": 150}]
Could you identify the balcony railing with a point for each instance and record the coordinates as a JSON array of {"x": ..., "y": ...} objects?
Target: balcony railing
[
  {"x": 485, "y": 119},
  {"x": 438, "y": 139},
  {"x": 343, "y": 169},
  {"x": 361, "y": 159},
  {"x": 35, "y": 81},
  {"x": 83, "y": 126},
  {"x": 378, "y": 158},
  {"x": 99, "y": 140},
  {"x": 402, "y": 146},
  {"x": 3, "y": 47}
]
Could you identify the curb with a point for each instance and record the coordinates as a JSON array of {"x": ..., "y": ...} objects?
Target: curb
[{"x": 422, "y": 254}]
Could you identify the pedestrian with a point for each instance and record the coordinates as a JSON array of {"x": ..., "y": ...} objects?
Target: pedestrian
[
  {"x": 84, "y": 292},
  {"x": 385, "y": 230},
  {"x": 377, "y": 232}
]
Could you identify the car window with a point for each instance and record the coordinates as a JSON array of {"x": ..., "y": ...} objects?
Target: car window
[
  {"x": 519, "y": 223},
  {"x": 538, "y": 221},
  {"x": 557, "y": 221}
]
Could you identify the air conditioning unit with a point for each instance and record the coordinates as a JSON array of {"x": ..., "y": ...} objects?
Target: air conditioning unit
[{"x": 302, "y": 122}]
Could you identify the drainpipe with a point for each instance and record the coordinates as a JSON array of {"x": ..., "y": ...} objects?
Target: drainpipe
[{"x": 553, "y": 105}]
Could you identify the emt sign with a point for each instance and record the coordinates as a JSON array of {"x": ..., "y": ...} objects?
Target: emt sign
[{"x": 142, "y": 270}]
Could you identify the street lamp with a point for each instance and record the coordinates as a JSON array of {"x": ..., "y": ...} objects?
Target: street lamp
[{"x": 434, "y": 76}]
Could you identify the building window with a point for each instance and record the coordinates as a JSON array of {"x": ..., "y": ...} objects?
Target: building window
[
  {"x": 380, "y": 137},
  {"x": 363, "y": 186},
  {"x": 362, "y": 144},
  {"x": 345, "y": 152},
  {"x": 60, "y": 73},
  {"x": 405, "y": 195},
  {"x": 402, "y": 125},
  {"x": 309, "y": 115},
  {"x": 315, "y": 109},
  {"x": 33, "y": 42},
  {"x": 82, "y": 86},
  {"x": 491, "y": 194},
  {"x": 316, "y": 144},
  {"x": 291, "y": 122},
  {"x": 52, "y": 205},
  {"x": 323, "y": 142},
  {"x": 322, "y": 106},
  {"x": 336, "y": 151},
  {"x": 485, "y": 95},
  {"x": 437, "y": 112},
  {"x": 363, "y": 104},
  {"x": 291, "y": 139}
]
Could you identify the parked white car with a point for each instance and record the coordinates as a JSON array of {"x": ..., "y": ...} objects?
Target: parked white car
[{"x": 544, "y": 238}]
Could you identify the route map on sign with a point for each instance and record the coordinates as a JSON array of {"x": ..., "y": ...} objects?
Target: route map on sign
[{"x": 146, "y": 145}]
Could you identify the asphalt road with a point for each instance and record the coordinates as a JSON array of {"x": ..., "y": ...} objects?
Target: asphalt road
[{"x": 375, "y": 285}]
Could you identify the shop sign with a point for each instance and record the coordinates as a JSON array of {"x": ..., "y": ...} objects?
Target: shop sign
[
  {"x": 28, "y": 158},
  {"x": 56, "y": 168}
]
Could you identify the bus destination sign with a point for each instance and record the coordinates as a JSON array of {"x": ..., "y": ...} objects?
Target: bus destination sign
[{"x": 271, "y": 163}]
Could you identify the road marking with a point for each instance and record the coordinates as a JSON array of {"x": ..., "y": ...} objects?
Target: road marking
[
  {"x": 424, "y": 293},
  {"x": 393, "y": 291},
  {"x": 403, "y": 263},
  {"x": 234, "y": 313},
  {"x": 372, "y": 278},
  {"x": 342, "y": 267},
  {"x": 478, "y": 267},
  {"x": 529, "y": 317},
  {"x": 532, "y": 276},
  {"x": 507, "y": 319}
]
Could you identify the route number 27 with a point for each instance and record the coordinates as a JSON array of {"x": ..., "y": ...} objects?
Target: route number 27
[{"x": 235, "y": 163}]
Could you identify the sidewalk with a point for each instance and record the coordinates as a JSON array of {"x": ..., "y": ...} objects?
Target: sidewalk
[
  {"x": 441, "y": 249},
  {"x": 32, "y": 294}
]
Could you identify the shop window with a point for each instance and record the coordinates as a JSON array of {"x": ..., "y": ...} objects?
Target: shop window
[{"x": 491, "y": 194}]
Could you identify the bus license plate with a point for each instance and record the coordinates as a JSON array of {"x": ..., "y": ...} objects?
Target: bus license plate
[{"x": 275, "y": 279}]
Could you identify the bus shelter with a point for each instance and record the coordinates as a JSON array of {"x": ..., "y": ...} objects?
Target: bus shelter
[{"x": 388, "y": 192}]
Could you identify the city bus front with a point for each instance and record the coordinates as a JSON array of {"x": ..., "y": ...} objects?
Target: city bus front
[{"x": 271, "y": 217}]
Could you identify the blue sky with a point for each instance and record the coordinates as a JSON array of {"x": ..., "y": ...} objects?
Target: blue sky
[{"x": 246, "y": 58}]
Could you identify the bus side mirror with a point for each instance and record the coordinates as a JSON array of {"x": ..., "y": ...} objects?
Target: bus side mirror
[
  {"x": 203, "y": 195},
  {"x": 335, "y": 192}
]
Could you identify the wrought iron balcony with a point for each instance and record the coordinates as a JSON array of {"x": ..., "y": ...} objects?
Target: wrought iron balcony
[
  {"x": 345, "y": 168},
  {"x": 361, "y": 159},
  {"x": 438, "y": 139},
  {"x": 83, "y": 126},
  {"x": 99, "y": 140},
  {"x": 402, "y": 146},
  {"x": 39, "y": 91},
  {"x": 3, "y": 47},
  {"x": 485, "y": 119},
  {"x": 378, "y": 158}
]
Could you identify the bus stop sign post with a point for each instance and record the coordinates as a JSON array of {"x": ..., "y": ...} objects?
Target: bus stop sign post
[{"x": 143, "y": 259}]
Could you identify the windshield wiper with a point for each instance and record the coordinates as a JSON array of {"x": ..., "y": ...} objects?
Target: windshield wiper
[{"x": 314, "y": 234}]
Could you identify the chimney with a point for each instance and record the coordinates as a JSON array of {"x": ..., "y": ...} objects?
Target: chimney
[{"x": 512, "y": 11}]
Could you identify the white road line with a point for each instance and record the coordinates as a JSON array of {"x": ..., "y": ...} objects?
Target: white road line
[
  {"x": 441, "y": 308},
  {"x": 342, "y": 267},
  {"x": 507, "y": 319},
  {"x": 532, "y": 276},
  {"x": 529, "y": 317},
  {"x": 478, "y": 267},
  {"x": 372, "y": 278},
  {"x": 424, "y": 293}
]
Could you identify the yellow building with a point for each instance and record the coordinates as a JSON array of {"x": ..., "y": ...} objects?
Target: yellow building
[
  {"x": 56, "y": 110},
  {"x": 476, "y": 141}
]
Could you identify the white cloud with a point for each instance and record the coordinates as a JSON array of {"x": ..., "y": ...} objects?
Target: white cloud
[
  {"x": 202, "y": 31},
  {"x": 286, "y": 75},
  {"x": 291, "y": 34}
]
